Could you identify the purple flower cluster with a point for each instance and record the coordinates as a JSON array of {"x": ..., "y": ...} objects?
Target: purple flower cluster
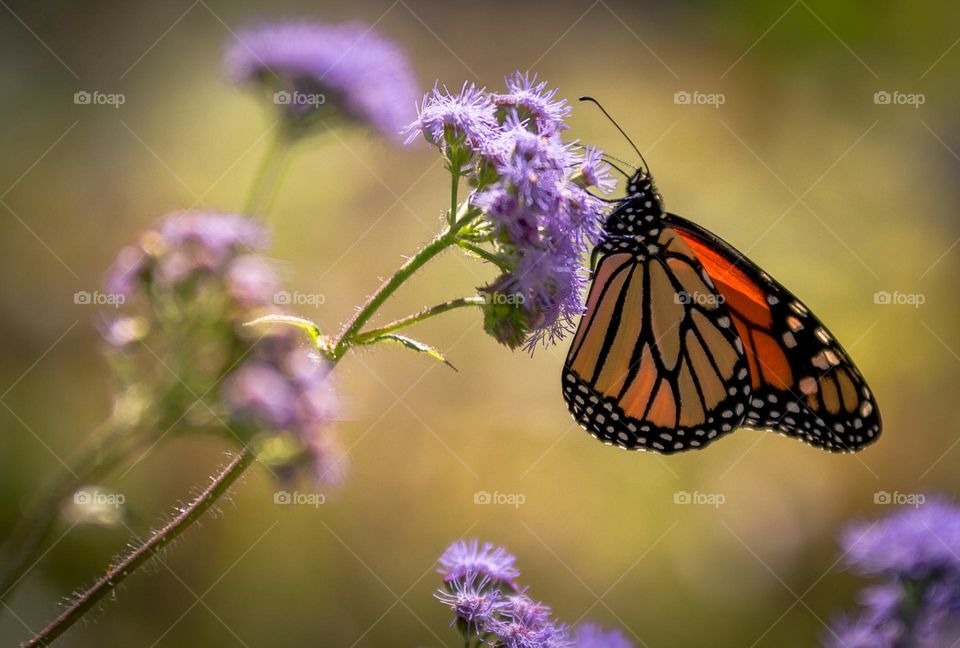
[
  {"x": 531, "y": 191},
  {"x": 315, "y": 68},
  {"x": 189, "y": 286},
  {"x": 481, "y": 590},
  {"x": 193, "y": 247},
  {"x": 915, "y": 556}
]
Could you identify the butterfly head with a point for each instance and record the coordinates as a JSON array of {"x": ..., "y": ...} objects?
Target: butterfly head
[{"x": 639, "y": 212}]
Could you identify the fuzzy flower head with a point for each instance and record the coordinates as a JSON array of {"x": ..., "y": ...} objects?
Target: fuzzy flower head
[
  {"x": 915, "y": 599},
  {"x": 527, "y": 624},
  {"x": 315, "y": 71},
  {"x": 466, "y": 558},
  {"x": 913, "y": 542},
  {"x": 533, "y": 102},
  {"x": 474, "y": 602},
  {"x": 458, "y": 124}
]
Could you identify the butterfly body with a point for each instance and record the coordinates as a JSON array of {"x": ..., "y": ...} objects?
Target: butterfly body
[{"x": 684, "y": 340}]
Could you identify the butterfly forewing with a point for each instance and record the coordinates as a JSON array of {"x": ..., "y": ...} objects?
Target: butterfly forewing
[
  {"x": 656, "y": 362},
  {"x": 803, "y": 382}
]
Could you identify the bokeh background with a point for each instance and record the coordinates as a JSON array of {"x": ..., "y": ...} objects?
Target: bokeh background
[{"x": 836, "y": 195}]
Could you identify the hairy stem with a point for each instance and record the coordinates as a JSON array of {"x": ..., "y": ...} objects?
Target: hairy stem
[
  {"x": 388, "y": 287},
  {"x": 427, "y": 313},
  {"x": 115, "y": 574},
  {"x": 108, "y": 448}
]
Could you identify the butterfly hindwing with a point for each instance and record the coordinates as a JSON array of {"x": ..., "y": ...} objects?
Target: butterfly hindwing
[
  {"x": 656, "y": 362},
  {"x": 803, "y": 382}
]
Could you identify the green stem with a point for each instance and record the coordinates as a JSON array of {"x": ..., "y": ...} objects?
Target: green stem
[
  {"x": 116, "y": 574},
  {"x": 387, "y": 288},
  {"x": 266, "y": 181},
  {"x": 396, "y": 325},
  {"x": 454, "y": 195}
]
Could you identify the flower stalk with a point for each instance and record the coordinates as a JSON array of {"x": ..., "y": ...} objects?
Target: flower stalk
[
  {"x": 117, "y": 573},
  {"x": 266, "y": 182}
]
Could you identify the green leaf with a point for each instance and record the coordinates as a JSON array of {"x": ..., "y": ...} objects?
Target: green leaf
[
  {"x": 410, "y": 343},
  {"x": 311, "y": 329}
]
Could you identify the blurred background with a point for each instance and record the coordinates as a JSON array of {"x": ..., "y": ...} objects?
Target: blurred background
[{"x": 839, "y": 195}]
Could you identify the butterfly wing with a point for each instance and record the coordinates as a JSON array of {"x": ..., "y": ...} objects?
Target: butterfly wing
[
  {"x": 803, "y": 383},
  {"x": 656, "y": 363}
]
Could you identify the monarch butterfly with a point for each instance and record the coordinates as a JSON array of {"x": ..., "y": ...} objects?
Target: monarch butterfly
[{"x": 685, "y": 339}]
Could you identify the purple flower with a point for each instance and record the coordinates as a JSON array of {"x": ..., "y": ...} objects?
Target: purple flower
[
  {"x": 527, "y": 624},
  {"x": 474, "y": 603},
  {"x": 532, "y": 100},
  {"x": 591, "y": 635},
  {"x": 526, "y": 611},
  {"x": 913, "y": 552},
  {"x": 445, "y": 118},
  {"x": 912, "y": 542},
  {"x": 316, "y": 68},
  {"x": 594, "y": 172},
  {"x": 514, "y": 634},
  {"x": 467, "y": 557}
]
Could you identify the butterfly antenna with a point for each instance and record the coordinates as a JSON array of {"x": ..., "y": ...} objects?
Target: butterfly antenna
[
  {"x": 622, "y": 172},
  {"x": 608, "y": 157},
  {"x": 622, "y": 132}
]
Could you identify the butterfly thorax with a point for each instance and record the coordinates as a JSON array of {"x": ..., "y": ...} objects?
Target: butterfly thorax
[{"x": 636, "y": 222}]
